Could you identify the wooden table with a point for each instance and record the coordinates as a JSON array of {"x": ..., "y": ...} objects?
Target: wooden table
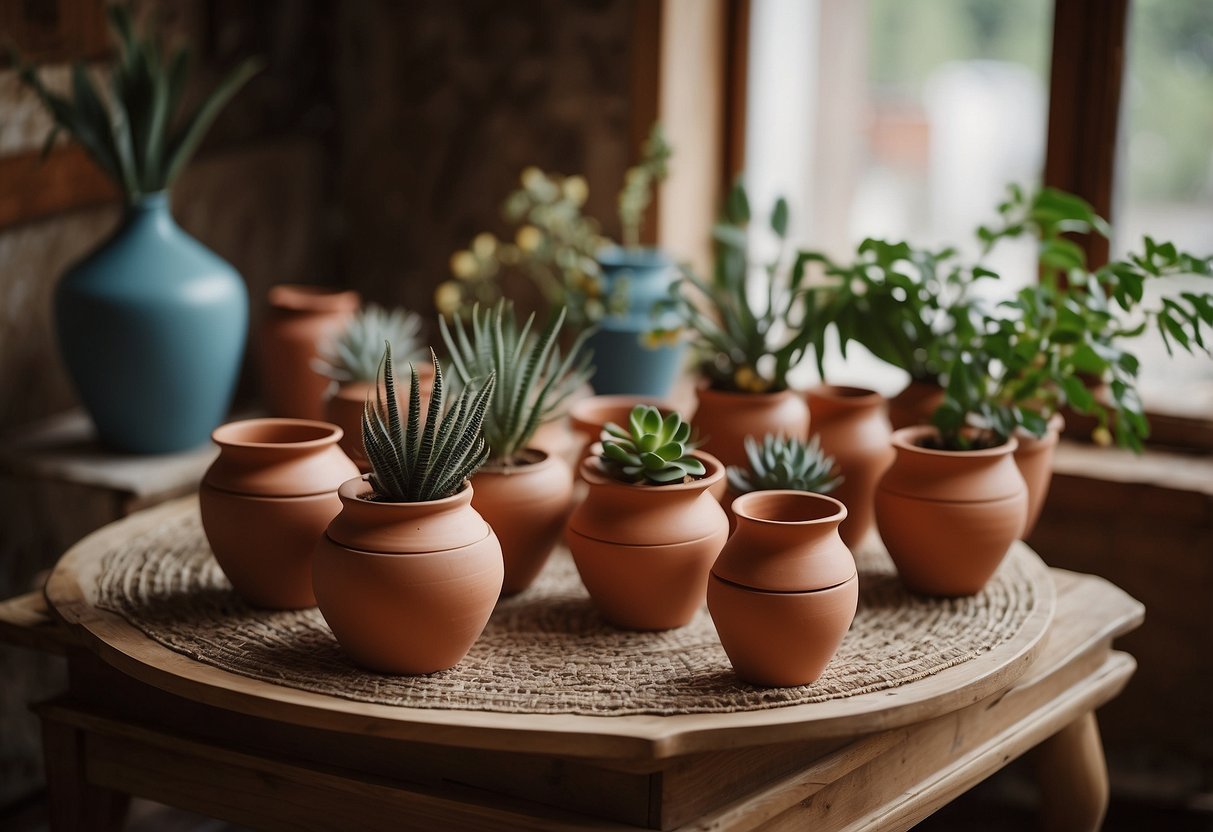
[{"x": 140, "y": 719}]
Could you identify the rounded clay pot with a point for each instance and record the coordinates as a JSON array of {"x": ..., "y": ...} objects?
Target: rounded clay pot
[
  {"x": 644, "y": 551},
  {"x": 526, "y": 505},
  {"x": 406, "y": 587},
  {"x": 784, "y": 590},
  {"x": 724, "y": 420},
  {"x": 915, "y": 404},
  {"x": 853, "y": 427},
  {"x": 587, "y": 416},
  {"x": 949, "y": 517},
  {"x": 266, "y": 500},
  {"x": 344, "y": 409},
  {"x": 300, "y": 319},
  {"x": 1034, "y": 456}
]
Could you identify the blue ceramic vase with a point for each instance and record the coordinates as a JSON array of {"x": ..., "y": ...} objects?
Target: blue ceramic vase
[
  {"x": 624, "y": 360},
  {"x": 152, "y": 327}
]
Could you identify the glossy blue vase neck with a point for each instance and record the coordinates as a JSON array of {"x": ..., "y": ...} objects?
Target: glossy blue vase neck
[{"x": 154, "y": 211}]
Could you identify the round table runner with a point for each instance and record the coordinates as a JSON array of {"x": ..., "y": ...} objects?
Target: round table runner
[{"x": 548, "y": 650}]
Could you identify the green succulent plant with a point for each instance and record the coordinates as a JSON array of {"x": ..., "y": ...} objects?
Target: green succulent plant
[
  {"x": 533, "y": 379},
  {"x": 651, "y": 449},
  {"x": 137, "y": 133},
  {"x": 784, "y": 463},
  {"x": 355, "y": 354},
  {"x": 413, "y": 462}
]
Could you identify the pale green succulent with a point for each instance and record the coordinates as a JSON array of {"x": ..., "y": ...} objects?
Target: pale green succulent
[
  {"x": 355, "y": 354},
  {"x": 784, "y": 463},
  {"x": 651, "y": 449}
]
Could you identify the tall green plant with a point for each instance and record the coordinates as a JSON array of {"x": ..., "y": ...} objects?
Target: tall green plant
[{"x": 138, "y": 134}]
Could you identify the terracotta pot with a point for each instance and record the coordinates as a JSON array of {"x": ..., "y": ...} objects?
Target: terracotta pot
[
  {"x": 526, "y": 505},
  {"x": 724, "y": 420},
  {"x": 784, "y": 590},
  {"x": 915, "y": 404},
  {"x": 406, "y": 587},
  {"x": 344, "y": 409},
  {"x": 644, "y": 551},
  {"x": 949, "y": 517},
  {"x": 1034, "y": 456},
  {"x": 267, "y": 499},
  {"x": 300, "y": 319},
  {"x": 587, "y": 416},
  {"x": 853, "y": 427}
]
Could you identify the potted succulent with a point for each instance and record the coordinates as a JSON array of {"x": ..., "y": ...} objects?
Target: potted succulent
[
  {"x": 648, "y": 531},
  {"x": 351, "y": 362},
  {"x": 613, "y": 287},
  {"x": 747, "y": 350},
  {"x": 151, "y": 324},
  {"x": 407, "y": 574},
  {"x": 779, "y": 463},
  {"x": 523, "y": 492}
]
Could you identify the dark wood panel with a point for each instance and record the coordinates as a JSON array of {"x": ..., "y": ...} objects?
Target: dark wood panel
[{"x": 32, "y": 188}]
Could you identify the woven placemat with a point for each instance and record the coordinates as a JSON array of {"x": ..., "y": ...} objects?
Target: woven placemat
[{"x": 547, "y": 650}]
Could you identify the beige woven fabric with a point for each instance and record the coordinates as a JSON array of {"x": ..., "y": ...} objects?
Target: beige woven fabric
[{"x": 547, "y": 650}]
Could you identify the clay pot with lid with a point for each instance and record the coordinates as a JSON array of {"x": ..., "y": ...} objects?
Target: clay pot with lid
[
  {"x": 784, "y": 591},
  {"x": 301, "y": 318},
  {"x": 267, "y": 499},
  {"x": 853, "y": 427},
  {"x": 948, "y": 518},
  {"x": 406, "y": 588},
  {"x": 526, "y": 504},
  {"x": 344, "y": 409},
  {"x": 725, "y": 419},
  {"x": 644, "y": 551},
  {"x": 1034, "y": 457}
]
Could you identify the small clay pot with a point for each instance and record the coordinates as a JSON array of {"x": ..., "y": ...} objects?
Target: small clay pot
[
  {"x": 406, "y": 587},
  {"x": 300, "y": 320},
  {"x": 724, "y": 420},
  {"x": 644, "y": 551},
  {"x": 853, "y": 427},
  {"x": 784, "y": 590},
  {"x": 1034, "y": 456},
  {"x": 948, "y": 518},
  {"x": 526, "y": 505},
  {"x": 588, "y": 415},
  {"x": 267, "y": 499},
  {"x": 345, "y": 407},
  {"x": 915, "y": 404}
]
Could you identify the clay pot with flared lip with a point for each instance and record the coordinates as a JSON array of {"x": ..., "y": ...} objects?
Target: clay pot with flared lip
[
  {"x": 915, "y": 404},
  {"x": 344, "y": 409},
  {"x": 725, "y": 419},
  {"x": 267, "y": 499},
  {"x": 948, "y": 518},
  {"x": 853, "y": 427},
  {"x": 784, "y": 591},
  {"x": 526, "y": 505},
  {"x": 644, "y": 551},
  {"x": 300, "y": 320},
  {"x": 406, "y": 587},
  {"x": 1034, "y": 456}
]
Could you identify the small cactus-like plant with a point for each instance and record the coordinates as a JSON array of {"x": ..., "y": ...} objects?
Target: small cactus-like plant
[
  {"x": 651, "y": 449},
  {"x": 355, "y": 354},
  {"x": 784, "y": 463},
  {"x": 412, "y": 462}
]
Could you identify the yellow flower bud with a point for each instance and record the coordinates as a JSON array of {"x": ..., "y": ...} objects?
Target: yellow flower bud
[
  {"x": 448, "y": 297},
  {"x": 1101, "y": 436},
  {"x": 484, "y": 245},
  {"x": 464, "y": 265},
  {"x": 531, "y": 177},
  {"x": 576, "y": 190},
  {"x": 528, "y": 238}
]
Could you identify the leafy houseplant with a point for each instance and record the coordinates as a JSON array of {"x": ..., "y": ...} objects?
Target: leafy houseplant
[
  {"x": 651, "y": 449},
  {"x": 151, "y": 325},
  {"x": 779, "y": 463}
]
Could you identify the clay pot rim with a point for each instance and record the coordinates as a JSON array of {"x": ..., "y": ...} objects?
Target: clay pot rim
[
  {"x": 838, "y": 587},
  {"x": 312, "y": 297},
  {"x": 332, "y": 434},
  {"x": 591, "y": 472},
  {"x": 905, "y": 439},
  {"x": 596, "y": 404},
  {"x": 740, "y": 503},
  {"x": 545, "y": 460},
  {"x": 705, "y": 386},
  {"x": 845, "y": 395},
  {"x": 354, "y": 489}
]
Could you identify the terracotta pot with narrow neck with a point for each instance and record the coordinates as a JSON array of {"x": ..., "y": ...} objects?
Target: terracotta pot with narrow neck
[
  {"x": 915, "y": 404},
  {"x": 948, "y": 518},
  {"x": 784, "y": 591},
  {"x": 526, "y": 504},
  {"x": 1034, "y": 456},
  {"x": 300, "y": 319},
  {"x": 853, "y": 427},
  {"x": 267, "y": 499},
  {"x": 344, "y": 409},
  {"x": 406, "y": 587},
  {"x": 644, "y": 551}
]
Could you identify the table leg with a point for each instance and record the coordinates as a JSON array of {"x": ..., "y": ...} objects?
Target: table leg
[
  {"x": 76, "y": 805},
  {"x": 1073, "y": 778}
]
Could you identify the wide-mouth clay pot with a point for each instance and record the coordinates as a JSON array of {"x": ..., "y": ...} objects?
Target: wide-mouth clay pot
[
  {"x": 948, "y": 518},
  {"x": 526, "y": 505},
  {"x": 345, "y": 407},
  {"x": 644, "y": 551},
  {"x": 1034, "y": 456},
  {"x": 784, "y": 591},
  {"x": 267, "y": 499},
  {"x": 406, "y": 588},
  {"x": 915, "y": 404},
  {"x": 723, "y": 420}
]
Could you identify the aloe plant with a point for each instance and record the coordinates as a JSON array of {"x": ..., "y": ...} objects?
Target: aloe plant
[
  {"x": 784, "y": 463},
  {"x": 533, "y": 380},
  {"x": 413, "y": 462},
  {"x": 651, "y": 449},
  {"x": 355, "y": 354},
  {"x": 137, "y": 133}
]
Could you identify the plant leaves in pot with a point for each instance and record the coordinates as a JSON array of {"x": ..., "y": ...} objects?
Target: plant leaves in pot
[{"x": 780, "y": 464}]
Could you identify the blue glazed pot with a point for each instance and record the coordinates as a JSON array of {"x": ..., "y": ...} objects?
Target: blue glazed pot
[
  {"x": 152, "y": 327},
  {"x": 624, "y": 363}
]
